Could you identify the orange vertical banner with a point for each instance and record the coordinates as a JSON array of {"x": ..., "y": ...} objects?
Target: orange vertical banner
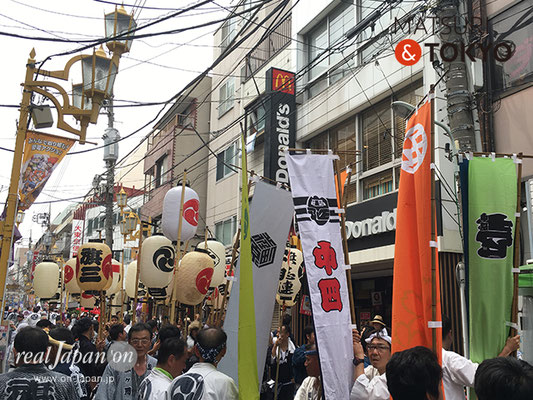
[{"x": 412, "y": 317}]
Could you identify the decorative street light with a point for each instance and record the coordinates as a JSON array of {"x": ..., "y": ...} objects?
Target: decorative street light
[
  {"x": 98, "y": 73},
  {"x": 122, "y": 198}
]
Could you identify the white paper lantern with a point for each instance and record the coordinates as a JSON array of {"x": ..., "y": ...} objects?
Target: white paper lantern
[
  {"x": 129, "y": 280},
  {"x": 93, "y": 267},
  {"x": 45, "y": 279},
  {"x": 69, "y": 274},
  {"x": 217, "y": 251},
  {"x": 118, "y": 273},
  {"x": 292, "y": 270},
  {"x": 171, "y": 213},
  {"x": 157, "y": 262},
  {"x": 193, "y": 277},
  {"x": 117, "y": 298},
  {"x": 87, "y": 300}
]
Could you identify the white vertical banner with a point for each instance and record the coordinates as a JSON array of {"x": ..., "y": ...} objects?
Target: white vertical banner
[
  {"x": 315, "y": 203},
  {"x": 76, "y": 238},
  {"x": 271, "y": 212}
]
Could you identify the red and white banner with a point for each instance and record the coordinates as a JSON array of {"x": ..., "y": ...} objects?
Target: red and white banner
[
  {"x": 76, "y": 239},
  {"x": 315, "y": 203}
]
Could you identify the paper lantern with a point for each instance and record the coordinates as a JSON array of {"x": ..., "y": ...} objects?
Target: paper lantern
[
  {"x": 157, "y": 262},
  {"x": 193, "y": 277},
  {"x": 292, "y": 270},
  {"x": 87, "y": 300},
  {"x": 117, "y": 299},
  {"x": 93, "y": 267},
  {"x": 217, "y": 251},
  {"x": 69, "y": 275},
  {"x": 171, "y": 213},
  {"x": 129, "y": 281},
  {"x": 45, "y": 279},
  {"x": 118, "y": 273}
]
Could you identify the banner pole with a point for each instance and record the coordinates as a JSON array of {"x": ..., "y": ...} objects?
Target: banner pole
[
  {"x": 514, "y": 316},
  {"x": 345, "y": 240},
  {"x": 137, "y": 273},
  {"x": 219, "y": 320},
  {"x": 433, "y": 227}
]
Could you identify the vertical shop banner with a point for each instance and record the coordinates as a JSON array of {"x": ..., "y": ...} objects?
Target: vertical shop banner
[
  {"x": 280, "y": 123},
  {"x": 491, "y": 214},
  {"x": 269, "y": 230},
  {"x": 76, "y": 239},
  {"x": 317, "y": 215},
  {"x": 412, "y": 281},
  {"x": 42, "y": 154}
]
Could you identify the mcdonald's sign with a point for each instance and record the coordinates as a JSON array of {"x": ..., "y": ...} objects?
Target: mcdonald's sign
[
  {"x": 280, "y": 123},
  {"x": 282, "y": 81}
]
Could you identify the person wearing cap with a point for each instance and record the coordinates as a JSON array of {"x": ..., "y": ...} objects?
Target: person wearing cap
[
  {"x": 203, "y": 381},
  {"x": 311, "y": 387}
]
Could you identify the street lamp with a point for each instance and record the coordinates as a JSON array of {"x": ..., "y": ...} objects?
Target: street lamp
[
  {"x": 122, "y": 198},
  {"x": 404, "y": 110},
  {"x": 20, "y": 217},
  {"x": 98, "y": 73}
]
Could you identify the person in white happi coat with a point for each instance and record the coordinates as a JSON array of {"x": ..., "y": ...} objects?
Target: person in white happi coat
[
  {"x": 171, "y": 358},
  {"x": 203, "y": 381}
]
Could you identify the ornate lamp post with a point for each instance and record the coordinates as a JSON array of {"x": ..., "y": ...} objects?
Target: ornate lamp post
[{"x": 98, "y": 73}]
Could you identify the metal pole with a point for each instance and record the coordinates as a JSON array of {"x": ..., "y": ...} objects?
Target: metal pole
[
  {"x": 514, "y": 316},
  {"x": 12, "y": 196},
  {"x": 110, "y": 160},
  {"x": 433, "y": 231},
  {"x": 138, "y": 272}
]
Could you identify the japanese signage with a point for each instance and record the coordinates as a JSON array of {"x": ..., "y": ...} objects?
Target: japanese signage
[
  {"x": 76, "y": 238},
  {"x": 280, "y": 123},
  {"x": 42, "y": 154},
  {"x": 292, "y": 271},
  {"x": 305, "y": 305},
  {"x": 271, "y": 213},
  {"x": 94, "y": 270},
  {"x": 315, "y": 203}
]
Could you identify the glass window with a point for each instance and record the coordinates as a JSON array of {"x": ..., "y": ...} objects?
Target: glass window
[
  {"x": 228, "y": 32},
  {"x": 225, "y": 230},
  {"x": 377, "y": 142},
  {"x": 328, "y": 32},
  {"x": 377, "y": 185},
  {"x": 514, "y": 25},
  {"x": 227, "y": 96},
  {"x": 255, "y": 119},
  {"x": 161, "y": 171},
  {"x": 225, "y": 160}
]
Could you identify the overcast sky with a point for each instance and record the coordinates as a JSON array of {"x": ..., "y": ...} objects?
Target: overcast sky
[{"x": 155, "y": 69}]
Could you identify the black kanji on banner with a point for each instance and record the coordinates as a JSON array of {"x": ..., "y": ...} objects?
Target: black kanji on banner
[
  {"x": 495, "y": 234},
  {"x": 321, "y": 210},
  {"x": 263, "y": 250}
]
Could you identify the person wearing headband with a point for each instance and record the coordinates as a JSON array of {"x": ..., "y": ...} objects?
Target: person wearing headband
[{"x": 203, "y": 381}]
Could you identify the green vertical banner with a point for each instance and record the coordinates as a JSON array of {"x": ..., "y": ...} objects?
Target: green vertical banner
[
  {"x": 247, "y": 348},
  {"x": 492, "y": 191}
]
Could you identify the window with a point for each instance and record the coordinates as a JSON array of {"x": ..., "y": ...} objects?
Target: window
[
  {"x": 268, "y": 47},
  {"x": 228, "y": 32},
  {"x": 225, "y": 159},
  {"x": 225, "y": 230},
  {"x": 255, "y": 119},
  {"x": 377, "y": 141},
  {"x": 377, "y": 185},
  {"x": 324, "y": 36},
  {"x": 226, "y": 96},
  {"x": 513, "y": 25},
  {"x": 161, "y": 171},
  {"x": 89, "y": 227}
]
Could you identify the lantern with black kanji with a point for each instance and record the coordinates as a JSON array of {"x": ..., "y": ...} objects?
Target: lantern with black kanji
[
  {"x": 93, "y": 266},
  {"x": 45, "y": 279},
  {"x": 217, "y": 251},
  {"x": 118, "y": 273},
  {"x": 292, "y": 270},
  {"x": 130, "y": 281},
  {"x": 193, "y": 277},
  {"x": 171, "y": 213},
  {"x": 157, "y": 262},
  {"x": 69, "y": 275}
]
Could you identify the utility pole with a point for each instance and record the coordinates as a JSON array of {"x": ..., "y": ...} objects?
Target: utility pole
[
  {"x": 110, "y": 137},
  {"x": 459, "y": 98}
]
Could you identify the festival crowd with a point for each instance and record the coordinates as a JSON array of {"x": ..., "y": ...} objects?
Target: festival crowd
[{"x": 63, "y": 358}]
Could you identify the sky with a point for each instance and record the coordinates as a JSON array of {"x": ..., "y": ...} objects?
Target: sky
[{"x": 155, "y": 69}]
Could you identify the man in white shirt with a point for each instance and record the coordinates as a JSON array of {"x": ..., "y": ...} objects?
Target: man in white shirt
[
  {"x": 203, "y": 381},
  {"x": 311, "y": 388},
  {"x": 171, "y": 359}
]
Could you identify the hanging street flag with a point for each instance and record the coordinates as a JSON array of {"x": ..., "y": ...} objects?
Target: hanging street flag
[
  {"x": 42, "y": 154},
  {"x": 491, "y": 222},
  {"x": 76, "y": 239},
  {"x": 247, "y": 347},
  {"x": 269, "y": 228},
  {"x": 317, "y": 215},
  {"x": 412, "y": 318}
]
